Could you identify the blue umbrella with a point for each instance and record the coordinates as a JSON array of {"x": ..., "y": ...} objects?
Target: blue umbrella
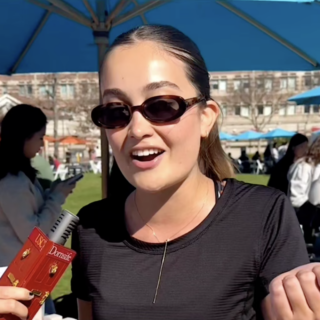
[
  {"x": 308, "y": 97},
  {"x": 278, "y": 133},
  {"x": 63, "y": 35},
  {"x": 71, "y": 36},
  {"x": 249, "y": 135},
  {"x": 226, "y": 136}
]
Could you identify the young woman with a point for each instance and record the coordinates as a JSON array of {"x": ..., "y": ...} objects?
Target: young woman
[
  {"x": 298, "y": 148},
  {"x": 189, "y": 242},
  {"x": 302, "y": 174},
  {"x": 23, "y": 203}
]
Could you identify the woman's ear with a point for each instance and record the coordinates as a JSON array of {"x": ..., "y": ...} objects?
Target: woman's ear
[{"x": 209, "y": 116}]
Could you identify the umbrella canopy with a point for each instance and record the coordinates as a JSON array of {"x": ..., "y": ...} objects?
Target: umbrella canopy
[
  {"x": 278, "y": 133},
  {"x": 249, "y": 135},
  {"x": 226, "y": 136},
  {"x": 71, "y": 36},
  {"x": 308, "y": 97},
  {"x": 63, "y": 35}
]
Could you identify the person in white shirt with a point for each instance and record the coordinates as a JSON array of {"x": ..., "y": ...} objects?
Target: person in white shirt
[
  {"x": 274, "y": 152},
  {"x": 301, "y": 176},
  {"x": 282, "y": 150}
]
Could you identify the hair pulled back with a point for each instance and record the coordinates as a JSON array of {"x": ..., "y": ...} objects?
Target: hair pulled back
[{"x": 213, "y": 161}]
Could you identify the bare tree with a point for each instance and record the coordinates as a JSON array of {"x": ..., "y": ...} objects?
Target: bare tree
[
  {"x": 48, "y": 99},
  {"x": 257, "y": 98},
  {"x": 86, "y": 98}
]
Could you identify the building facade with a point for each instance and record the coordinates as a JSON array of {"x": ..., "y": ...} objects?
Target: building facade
[
  {"x": 272, "y": 110},
  {"x": 248, "y": 100}
]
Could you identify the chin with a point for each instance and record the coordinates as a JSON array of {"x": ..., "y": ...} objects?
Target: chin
[{"x": 153, "y": 183}]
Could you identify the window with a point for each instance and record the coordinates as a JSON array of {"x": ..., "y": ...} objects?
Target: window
[
  {"x": 215, "y": 85},
  {"x": 25, "y": 90},
  {"x": 292, "y": 83},
  {"x": 268, "y": 84},
  {"x": 224, "y": 110},
  {"x": 316, "y": 80},
  {"x": 223, "y": 85},
  {"x": 237, "y": 84},
  {"x": 267, "y": 110},
  {"x": 42, "y": 91},
  {"x": 282, "y": 110},
  {"x": 22, "y": 90},
  {"x": 29, "y": 90},
  {"x": 260, "y": 84},
  {"x": 245, "y": 111},
  {"x": 46, "y": 91},
  {"x": 283, "y": 83},
  {"x": 291, "y": 110},
  {"x": 67, "y": 91},
  {"x": 260, "y": 110},
  {"x": 245, "y": 84},
  {"x": 237, "y": 111},
  {"x": 4, "y": 89},
  {"x": 220, "y": 85},
  {"x": 308, "y": 81},
  {"x": 316, "y": 108},
  {"x": 307, "y": 109}
]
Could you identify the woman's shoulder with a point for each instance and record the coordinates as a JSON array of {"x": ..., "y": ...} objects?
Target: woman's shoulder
[
  {"x": 14, "y": 181},
  {"x": 256, "y": 200}
]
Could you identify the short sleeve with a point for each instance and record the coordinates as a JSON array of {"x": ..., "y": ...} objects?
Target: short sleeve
[
  {"x": 79, "y": 282},
  {"x": 282, "y": 246}
]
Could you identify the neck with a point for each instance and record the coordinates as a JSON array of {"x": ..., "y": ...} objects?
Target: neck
[{"x": 175, "y": 206}]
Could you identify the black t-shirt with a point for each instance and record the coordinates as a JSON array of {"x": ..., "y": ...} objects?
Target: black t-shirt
[{"x": 220, "y": 270}]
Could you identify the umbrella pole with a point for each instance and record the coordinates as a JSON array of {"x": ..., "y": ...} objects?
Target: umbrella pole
[
  {"x": 104, "y": 142},
  {"x": 101, "y": 37}
]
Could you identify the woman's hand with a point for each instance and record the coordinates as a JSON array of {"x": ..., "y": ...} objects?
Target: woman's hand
[
  {"x": 64, "y": 187},
  {"x": 9, "y": 301},
  {"x": 295, "y": 295}
]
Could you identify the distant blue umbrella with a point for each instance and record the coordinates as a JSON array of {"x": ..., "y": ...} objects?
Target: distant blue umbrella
[
  {"x": 308, "y": 97},
  {"x": 278, "y": 133},
  {"x": 226, "y": 136},
  {"x": 249, "y": 135}
]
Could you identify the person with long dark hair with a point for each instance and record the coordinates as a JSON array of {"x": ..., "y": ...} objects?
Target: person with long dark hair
[
  {"x": 23, "y": 203},
  {"x": 298, "y": 147},
  {"x": 189, "y": 242}
]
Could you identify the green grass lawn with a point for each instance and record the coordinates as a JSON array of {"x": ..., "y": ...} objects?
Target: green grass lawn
[{"x": 89, "y": 190}]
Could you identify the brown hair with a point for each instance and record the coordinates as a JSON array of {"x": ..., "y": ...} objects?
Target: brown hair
[
  {"x": 212, "y": 159},
  {"x": 313, "y": 155}
]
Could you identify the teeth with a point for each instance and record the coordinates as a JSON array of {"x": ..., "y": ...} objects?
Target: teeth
[{"x": 144, "y": 153}]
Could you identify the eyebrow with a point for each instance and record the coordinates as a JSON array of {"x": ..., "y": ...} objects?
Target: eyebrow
[
  {"x": 115, "y": 92},
  {"x": 149, "y": 87},
  {"x": 160, "y": 84}
]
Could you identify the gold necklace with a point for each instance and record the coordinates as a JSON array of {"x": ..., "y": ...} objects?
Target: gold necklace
[
  {"x": 166, "y": 242},
  {"x": 169, "y": 239}
]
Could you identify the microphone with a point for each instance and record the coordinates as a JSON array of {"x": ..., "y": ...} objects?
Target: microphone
[{"x": 41, "y": 263}]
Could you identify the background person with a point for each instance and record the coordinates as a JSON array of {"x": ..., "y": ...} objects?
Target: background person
[
  {"x": 301, "y": 175},
  {"x": 22, "y": 132},
  {"x": 298, "y": 148}
]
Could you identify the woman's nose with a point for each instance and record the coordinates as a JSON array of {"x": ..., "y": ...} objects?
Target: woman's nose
[{"x": 139, "y": 127}]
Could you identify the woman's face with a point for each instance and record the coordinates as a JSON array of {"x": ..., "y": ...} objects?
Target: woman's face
[
  {"x": 33, "y": 145},
  {"x": 300, "y": 150},
  {"x": 132, "y": 74}
]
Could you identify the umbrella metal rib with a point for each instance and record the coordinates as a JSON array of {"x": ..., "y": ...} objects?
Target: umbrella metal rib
[{"x": 269, "y": 32}]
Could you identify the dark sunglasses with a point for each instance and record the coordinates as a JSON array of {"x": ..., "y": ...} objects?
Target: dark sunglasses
[{"x": 159, "y": 109}]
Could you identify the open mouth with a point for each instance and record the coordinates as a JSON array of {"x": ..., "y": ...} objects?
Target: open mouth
[{"x": 146, "y": 155}]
